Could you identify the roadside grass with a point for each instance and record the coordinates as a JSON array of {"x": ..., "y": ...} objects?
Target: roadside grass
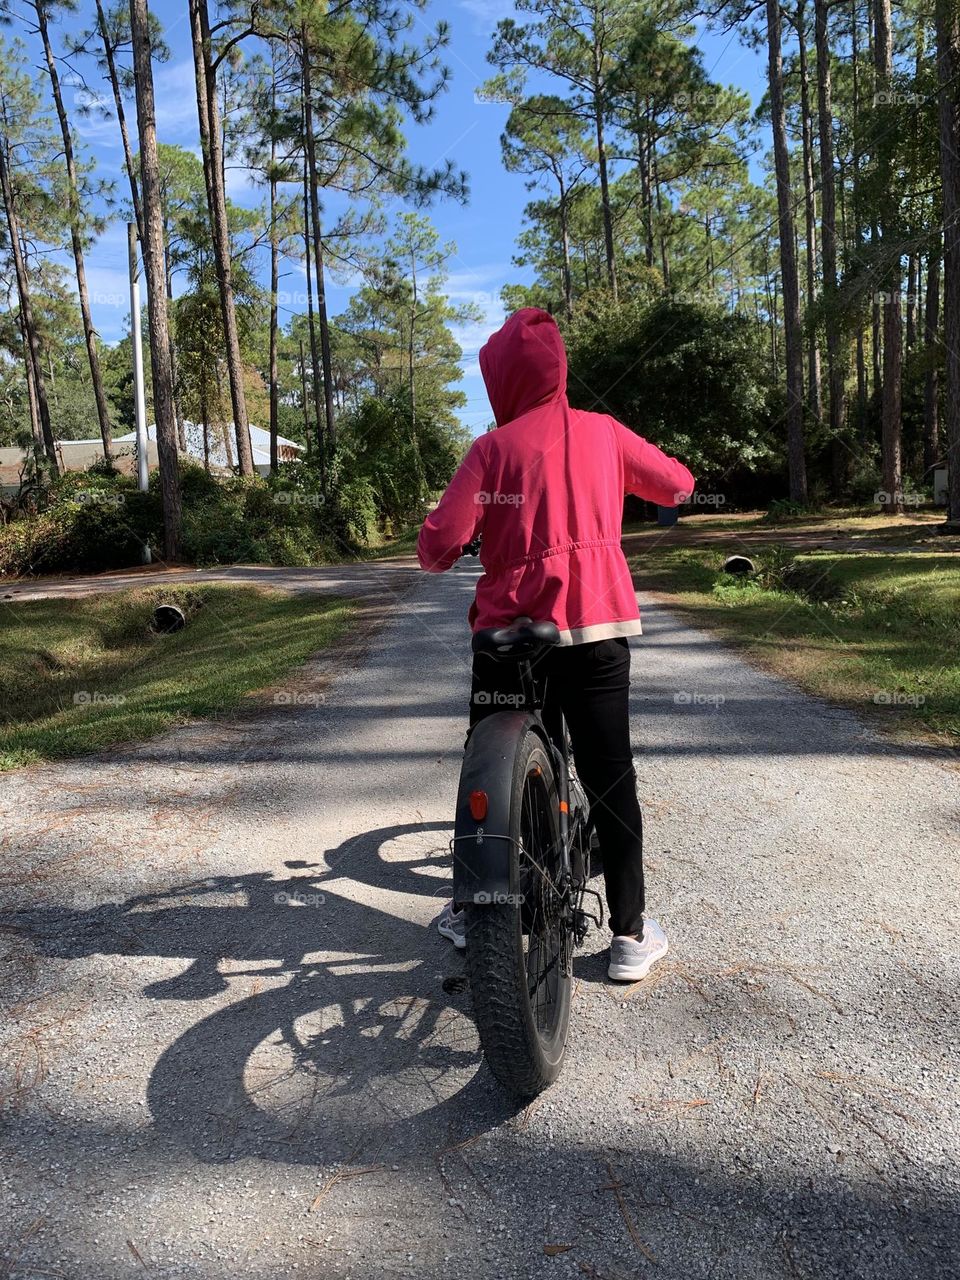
[
  {"x": 78, "y": 676},
  {"x": 836, "y": 523},
  {"x": 404, "y": 543},
  {"x": 878, "y": 632}
]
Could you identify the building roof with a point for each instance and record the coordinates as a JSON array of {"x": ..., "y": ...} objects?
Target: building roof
[{"x": 259, "y": 443}]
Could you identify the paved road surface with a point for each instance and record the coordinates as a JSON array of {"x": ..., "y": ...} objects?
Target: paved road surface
[{"x": 229, "y": 1051}]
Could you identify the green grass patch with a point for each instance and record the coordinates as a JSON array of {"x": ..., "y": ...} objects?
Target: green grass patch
[
  {"x": 404, "y": 544},
  {"x": 875, "y": 631},
  {"x": 82, "y": 675}
]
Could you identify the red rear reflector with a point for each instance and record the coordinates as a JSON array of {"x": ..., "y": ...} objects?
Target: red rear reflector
[
  {"x": 478, "y": 805},
  {"x": 564, "y": 807}
]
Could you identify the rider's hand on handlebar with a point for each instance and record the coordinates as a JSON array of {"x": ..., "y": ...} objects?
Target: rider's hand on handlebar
[{"x": 471, "y": 548}]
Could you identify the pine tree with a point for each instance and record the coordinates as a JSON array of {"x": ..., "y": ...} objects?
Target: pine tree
[
  {"x": 78, "y": 200},
  {"x": 207, "y": 61},
  {"x": 948, "y": 70},
  {"x": 576, "y": 43},
  {"x": 21, "y": 147},
  {"x": 153, "y": 260}
]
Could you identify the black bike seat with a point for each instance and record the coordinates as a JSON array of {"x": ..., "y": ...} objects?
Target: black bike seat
[{"x": 519, "y": 639}]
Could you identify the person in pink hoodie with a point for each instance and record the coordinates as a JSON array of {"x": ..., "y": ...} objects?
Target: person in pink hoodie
[{"x": 545, "y": 493}]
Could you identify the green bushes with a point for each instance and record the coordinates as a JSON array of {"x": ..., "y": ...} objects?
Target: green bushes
[
  {"x": 91, "y": 521},
  {"x": 264, "y": 521},
  {"x": 391, "y": 459},
  {"x": 388, "y": 462},
  {"x": 86, "y": 521},
  {"x": 691, "y": 377}
]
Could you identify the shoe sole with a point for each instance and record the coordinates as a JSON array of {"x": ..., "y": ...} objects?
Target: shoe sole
[
  {"x": 634, "y": 973},
  {"x": 458, "y": 940}
]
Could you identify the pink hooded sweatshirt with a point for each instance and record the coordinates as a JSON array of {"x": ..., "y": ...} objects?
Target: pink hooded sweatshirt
[{"x": 545, "y": 491}]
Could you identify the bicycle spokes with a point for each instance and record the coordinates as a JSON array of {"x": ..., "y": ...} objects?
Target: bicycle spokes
[{"x": 543, "y": 906}]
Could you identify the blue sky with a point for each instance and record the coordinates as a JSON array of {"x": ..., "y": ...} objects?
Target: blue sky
[{"x": 467, "y": 131}]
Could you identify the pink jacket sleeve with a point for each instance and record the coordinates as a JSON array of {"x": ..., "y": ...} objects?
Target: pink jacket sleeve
[
  {"x": 650, "y": 473},
  {"x": 457, "y": 517}
]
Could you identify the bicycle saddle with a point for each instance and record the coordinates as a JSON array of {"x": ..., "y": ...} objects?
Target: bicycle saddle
[{"x": 519, "y": 639}]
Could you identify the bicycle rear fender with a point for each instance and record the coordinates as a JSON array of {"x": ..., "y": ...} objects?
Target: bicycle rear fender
[{"x": 481, "y": 846}]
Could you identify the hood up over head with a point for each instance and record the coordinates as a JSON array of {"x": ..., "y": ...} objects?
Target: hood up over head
[{"x": 524, "y": 364}]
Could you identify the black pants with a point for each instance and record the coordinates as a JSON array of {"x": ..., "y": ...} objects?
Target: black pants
[{"x": 590, "y": 685}]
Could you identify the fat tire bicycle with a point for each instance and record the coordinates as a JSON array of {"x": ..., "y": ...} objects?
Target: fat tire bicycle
[{"x": 521, "y": 849}]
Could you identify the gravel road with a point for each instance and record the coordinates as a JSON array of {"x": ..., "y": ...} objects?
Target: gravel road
[{"x": 234, "y": 1046}]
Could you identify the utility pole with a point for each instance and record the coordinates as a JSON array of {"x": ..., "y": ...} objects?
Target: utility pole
[{"x": 139, "y": 390}]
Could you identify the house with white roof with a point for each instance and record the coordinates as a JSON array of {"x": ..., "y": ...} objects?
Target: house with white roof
[{"x": 78, "y": 455}]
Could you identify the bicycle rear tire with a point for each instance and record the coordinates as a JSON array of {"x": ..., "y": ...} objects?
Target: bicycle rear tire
[{"x": 523, "y": 1034}]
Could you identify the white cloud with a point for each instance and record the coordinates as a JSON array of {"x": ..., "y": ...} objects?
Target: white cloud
[
  {"x": 481, "y": 286},
  {"x": 469, "y": 282},
  {"x": 175, "y": 89},
  {"x": 488, "y": 13},
  {"x": 242, "y": 185},
  {"x": 93, "y": 115},
  {"x": 471, "y": 337}
]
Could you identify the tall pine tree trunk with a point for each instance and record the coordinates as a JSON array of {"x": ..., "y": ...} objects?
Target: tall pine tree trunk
[
  {"x": 792, "y": 329},
  {"x": 931, "y": 389},
  {"x": 664, "y": 254},
  {"x": 76, "y": 237},
  {"x": 304, "y": 402},
  {"x": 412, "y": 347},
  {"x": 810, "y": 215},
  {"x": 174, "y": 359},
  {"x": 565, "y": 246},
  {"x": 599, "y": 130},
  {"x": 153, "y": 262},
  {"x": 318, "y": 258},
  {"x": 315, "y": 370},
  {"x": 828, "y": 245},
  {"x": 108, "y": 52},
  {"x": 641, "y": 129},
  {"x": 208, "y": 109},
  {"x": 35, "y": 429},
  {"x": 274, "y": 318},
  {"x": 130, "y": 164},
  {"x": 768, "y": 286},
  {"x": 913, "y": 267},
  {"x": 32, "y": 341},
  {"x": 948, "y": 75},
  {"x": 890, "y": 413},
  {"x": 856, "y": 239}
]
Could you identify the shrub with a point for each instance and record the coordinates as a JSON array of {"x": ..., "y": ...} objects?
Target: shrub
[
  {"x": 692, "y": 378},
  {"x": 781, "y": 509},
  {"x": 86, "y": 521},
  {"x": 98, "y": 519},
  {"x": 390, "y": 460}
]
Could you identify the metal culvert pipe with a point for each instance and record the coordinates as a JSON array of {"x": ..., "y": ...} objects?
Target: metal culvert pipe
[
  {"x": 741, "y": 566},
  {"x": 168, "y": 618}
]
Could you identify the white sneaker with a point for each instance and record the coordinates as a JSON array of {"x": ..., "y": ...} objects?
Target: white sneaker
[
  {"x": 631, "y": 960},
  {"x": 451, "y": 924}
]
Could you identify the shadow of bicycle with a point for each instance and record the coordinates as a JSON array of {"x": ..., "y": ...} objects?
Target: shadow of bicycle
[{"x": 338, "y": 1029}]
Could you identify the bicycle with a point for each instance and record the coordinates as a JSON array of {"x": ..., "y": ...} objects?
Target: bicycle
[{"x": 521, "y": 848}]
